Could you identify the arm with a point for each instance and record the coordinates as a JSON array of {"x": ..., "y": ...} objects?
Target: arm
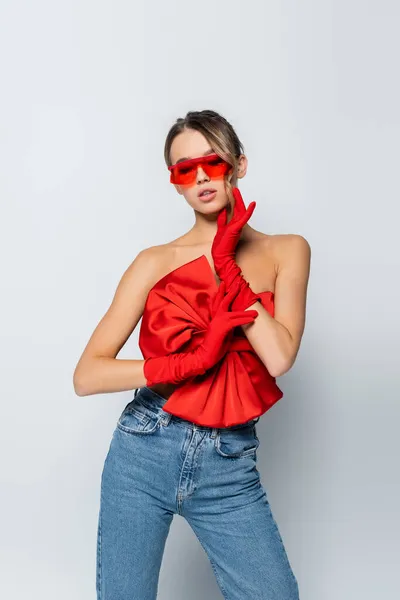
[
  {"x": 98, "y": 371},
  {"x": 223, "y": 250},
  {"x": 277, "y": 339},
  {"x": 179, "y": 366}
]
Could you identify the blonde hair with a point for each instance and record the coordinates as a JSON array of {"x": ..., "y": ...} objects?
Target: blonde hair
[{"x": 219, "y": 133}]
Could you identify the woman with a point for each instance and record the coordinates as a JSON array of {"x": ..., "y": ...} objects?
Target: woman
[{"x": 223, "y": 313}]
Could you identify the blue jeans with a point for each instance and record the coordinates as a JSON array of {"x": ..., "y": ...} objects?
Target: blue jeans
[{"x": 159, "y": 465}]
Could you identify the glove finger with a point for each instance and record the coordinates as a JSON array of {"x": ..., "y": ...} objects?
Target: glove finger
[
  {"x": 218, "y": 296},
  {"x": 246, "y": 216},
  {"x": 235, "y": 225},
  {"x": 239, "y": 207},
  {"x": 235, "y": 321},
  {"x": 250, "y": 209},
  {"x": 231, "y": 320},
  {"x": 242, "y": 313},
  {"x": 230, "y": 296},
  {"x": 221, "y": 219}
]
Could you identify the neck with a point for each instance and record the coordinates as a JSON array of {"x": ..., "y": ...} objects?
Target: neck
[{"x": 205, "y": 228}]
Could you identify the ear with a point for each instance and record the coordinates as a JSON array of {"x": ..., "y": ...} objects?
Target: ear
[{"x": 242, "y": 166}]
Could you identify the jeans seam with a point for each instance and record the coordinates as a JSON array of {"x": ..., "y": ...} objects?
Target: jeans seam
[
  {"x": 217, "y": 576},
  {"x": 99, "y": 561},
  {"x": 282, "y": 544}
]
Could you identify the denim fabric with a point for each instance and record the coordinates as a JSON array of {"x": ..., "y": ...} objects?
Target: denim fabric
[{"x": 159, "y": 465}]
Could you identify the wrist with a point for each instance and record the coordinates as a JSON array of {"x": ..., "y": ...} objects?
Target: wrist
[
  {"x": 245, "y": 296},
  {"x": 172, "y": 368}
]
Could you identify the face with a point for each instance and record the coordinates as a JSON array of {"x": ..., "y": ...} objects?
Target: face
[{"x": 191, "y": 144}]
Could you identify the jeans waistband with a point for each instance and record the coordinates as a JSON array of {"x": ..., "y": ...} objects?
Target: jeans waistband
[
  {"x": 159, "y": 401},
  {"x": 155, "y": 398}
]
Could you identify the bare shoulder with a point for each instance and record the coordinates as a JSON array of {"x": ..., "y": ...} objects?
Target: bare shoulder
[
  {"x": 151, "y": 264},
  {"x": 142, "y": 266},
  {"x": 148, "y": 262},
  {"x": 135, "y": 283},
  {"x": 282, "y": 249},
  {"x": 289, "y": 248}
]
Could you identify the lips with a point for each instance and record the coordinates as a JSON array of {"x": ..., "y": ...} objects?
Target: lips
[{"x": 201, "y": 192}]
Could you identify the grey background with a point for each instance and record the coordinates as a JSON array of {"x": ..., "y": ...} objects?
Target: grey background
[{"x": 88, "y": 93}]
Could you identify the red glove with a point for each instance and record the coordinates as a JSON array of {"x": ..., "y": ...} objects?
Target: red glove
[
  {"x": 176, "y": 367},
  {"x": 223, "y": 251}
]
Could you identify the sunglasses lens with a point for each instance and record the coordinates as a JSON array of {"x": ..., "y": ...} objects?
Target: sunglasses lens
[
  {"x": 183, "y": 175},
  {"x": 186, "y": 172},
  {"x": 216, "y": 167}
]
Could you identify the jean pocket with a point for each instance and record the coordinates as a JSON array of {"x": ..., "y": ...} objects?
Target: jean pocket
[
  {"x": 138, "y": 417},
  {"x": 238, "y": 442}
]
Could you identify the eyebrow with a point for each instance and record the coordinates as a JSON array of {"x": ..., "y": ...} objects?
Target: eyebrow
[{"x": 210, "y": 151}]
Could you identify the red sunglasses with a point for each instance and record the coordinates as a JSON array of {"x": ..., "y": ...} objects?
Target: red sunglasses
[{"x": 185, "y": 172}]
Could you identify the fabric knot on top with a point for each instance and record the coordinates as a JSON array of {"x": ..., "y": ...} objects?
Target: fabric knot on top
[{"x": 176, "y": 313}]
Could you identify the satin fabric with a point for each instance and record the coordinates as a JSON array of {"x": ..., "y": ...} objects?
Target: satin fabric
[{"x": 176, "y": 314}]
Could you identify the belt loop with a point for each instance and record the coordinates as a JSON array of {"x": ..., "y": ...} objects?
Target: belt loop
[
  {"x": 136, "y": 391},
  {"x": 165, "y": 417},
  {"x": 214, "y": 433}
]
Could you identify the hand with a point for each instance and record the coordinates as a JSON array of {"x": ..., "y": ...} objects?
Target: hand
[
  {"x": 218, "y": 336},
  {"x": 223, "y": 251},
  {"x": 228, "y": 235},
  {"x": 177, "y": 367}
]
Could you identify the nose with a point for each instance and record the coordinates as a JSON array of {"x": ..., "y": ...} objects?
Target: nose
[{"x": 201, "y": 175}]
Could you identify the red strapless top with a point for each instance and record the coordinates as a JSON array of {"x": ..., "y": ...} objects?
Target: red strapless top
[{"x": 176, "y": 314}]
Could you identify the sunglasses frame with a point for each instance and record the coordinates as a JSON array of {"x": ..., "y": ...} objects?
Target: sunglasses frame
[{"x": 201, "y": 160}]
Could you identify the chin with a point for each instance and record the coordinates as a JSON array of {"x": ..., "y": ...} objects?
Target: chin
[{"x": 213, "y": 206}]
